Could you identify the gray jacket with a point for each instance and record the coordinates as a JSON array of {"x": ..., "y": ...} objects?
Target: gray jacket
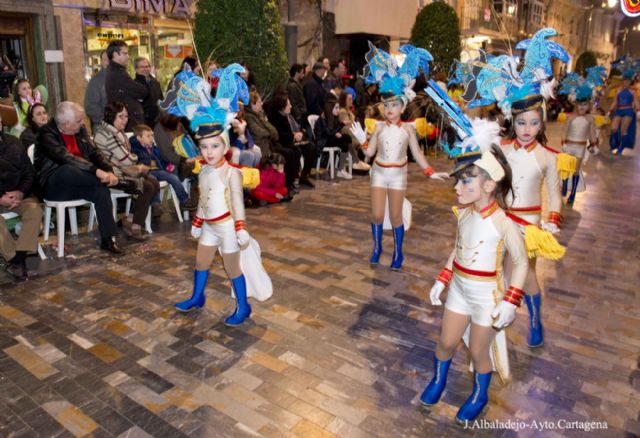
[{"x": 95, "y": 98}]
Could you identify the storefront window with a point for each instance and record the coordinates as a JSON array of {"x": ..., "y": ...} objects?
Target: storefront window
[
  {"x": 99, "y": 37},
  {"x": 173, "y": 45}
]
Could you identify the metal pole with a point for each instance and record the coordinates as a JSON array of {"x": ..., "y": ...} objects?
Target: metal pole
[{"x": 291, "y": 33}]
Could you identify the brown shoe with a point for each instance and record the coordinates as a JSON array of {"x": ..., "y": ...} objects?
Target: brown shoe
[{"x": 190, "y": 204}]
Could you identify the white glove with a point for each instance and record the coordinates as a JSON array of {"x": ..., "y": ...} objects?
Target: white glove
[
  {"x": 358, "y": 132},
  {"x": 436, "y": 290},
  {"x": 243, "y": 237},
  {"x": 504, "y": 314},
  {"x": 551, "y": 227},
  {"x": 440, "y": 176},
  {"x": 196, "y": 231}
]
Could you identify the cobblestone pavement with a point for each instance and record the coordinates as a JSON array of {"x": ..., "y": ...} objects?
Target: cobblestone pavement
[{"x": 91, "y": 345}]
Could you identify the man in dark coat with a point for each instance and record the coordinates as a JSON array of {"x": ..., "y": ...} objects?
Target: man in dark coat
[
  {"x": 71, "y": 167},
  {"x": 119, "y": 85},
  {"x": 150, "y": 103},
  {"x": 314, "y": 93},
  {"x": 95, "y": 97},
  {"x": 296, "y": 94},
  {"x": 17, "y": 178}
]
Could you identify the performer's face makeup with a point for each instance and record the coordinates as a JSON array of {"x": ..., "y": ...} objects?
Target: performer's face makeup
[
  {"x": 393, "y": 109},
  {"x": 527, "y": 126},
  {"x": 582, "y": 108},
  {"x": 468, "y": 189},
  {"x": 213, "y": 149},
  {"x": 472, "y": 187}
]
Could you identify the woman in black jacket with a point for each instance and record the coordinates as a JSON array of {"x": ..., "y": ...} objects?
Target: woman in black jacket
[
  {"x": 291, "y": 137},
  {"x": 37, "y": 117}
]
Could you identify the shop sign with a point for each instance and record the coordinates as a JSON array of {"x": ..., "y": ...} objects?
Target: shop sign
[
  {"x": 169, "y": 7},
  {"x": 173, "y": 51},
  {"x": 631, "y": 8}
]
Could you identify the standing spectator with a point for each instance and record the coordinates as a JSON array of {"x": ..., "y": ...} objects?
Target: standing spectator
[
  {"x": 150, "y": 103},
  {"x": 296, "y": 95},
  {"x": 69, "y": 166},
  {"x": 95, "y": 98},
  {"x": 113, "y": 143},
  {"x": 314, "y": 93},
  {"x": 36, "y": 118},
  {"x": 334, "y": 77},
  {"x": 17, "y": 178},
  {"x": 120, "y": 87}
]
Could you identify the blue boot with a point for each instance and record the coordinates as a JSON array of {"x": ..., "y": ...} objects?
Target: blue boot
[
  {"x": 432, "y": 393},
  {"x": 398, "y": 237},
  {"x": 197, "y": 297},
  {"x": 615, "y": 141},
  {"x": 477, "y": 400},
  {"x": 574, "y": 186},
  {"x": 376, "y": 233},
  {"x": 565, "y": 186},
  {"x": 243, "y": 309},
  {"x": 534, "y": 303}
]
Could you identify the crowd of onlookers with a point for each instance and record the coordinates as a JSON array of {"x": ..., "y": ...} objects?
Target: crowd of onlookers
[{"x": 133, "y": 146}]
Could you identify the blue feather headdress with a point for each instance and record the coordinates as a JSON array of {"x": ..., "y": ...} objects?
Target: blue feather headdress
[
  {"x": 189, "y": 96},
  {"x": 394, "y": 81},
  {"x": 581, "y": 89},
  {"x": 475, "y": 138},
  {"x": 498, "y": 79}
]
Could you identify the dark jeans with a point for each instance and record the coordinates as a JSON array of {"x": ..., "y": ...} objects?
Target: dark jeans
[
  {"x": 174, "y": 181},
  {"x": 69, "y": 183}
]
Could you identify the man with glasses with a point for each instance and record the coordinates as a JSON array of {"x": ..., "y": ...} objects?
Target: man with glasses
[
  {"x": 150, "y": 103},
  {"x": 119, "y": 85}
]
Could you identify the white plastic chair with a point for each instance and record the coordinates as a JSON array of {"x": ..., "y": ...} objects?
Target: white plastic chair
[
  {"x": 12, "y": 215},
  {"x": 182, "y": 216},
  {"x": 60, "y": 207},
  {"x": 332, "y": 150}
]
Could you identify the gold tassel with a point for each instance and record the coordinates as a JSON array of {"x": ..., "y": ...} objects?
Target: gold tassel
[
  {"x": 370, "y": 124},
  {"x": 455, "y": 211},
  {"x": 562, "y": 117},
  {"x": 250, "y": 177},
  {"x": 566, "y": 165},
  {"x": 196, "y": 167},
  {"x": 541, "y": 243}
]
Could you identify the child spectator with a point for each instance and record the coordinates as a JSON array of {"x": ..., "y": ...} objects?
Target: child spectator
[
  {"x": 144, "y": 147},
  {"x": 272, "y": 187}
]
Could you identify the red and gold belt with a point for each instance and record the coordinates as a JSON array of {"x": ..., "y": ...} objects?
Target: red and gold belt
[{"x": 473, "y": 274}]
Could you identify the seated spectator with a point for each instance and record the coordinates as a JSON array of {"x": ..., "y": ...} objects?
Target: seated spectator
[
  {"x": 23, "y": 98},
  {"x": 265, "y": 135},
  {"x": 166, "y": 133},
  {"x": 243, "y": 150},
  {"x": 17, "y": 178},
  {"x": 70, "y": 166},
  {"x": 328, "y": 134},
  {"x": 291, "y": 137},
  {"x": 36, "y": 118},
  {"x": 272, "y": 188},
  {"x": 114, "y": 144},
  {"x": 143, "y": 145},
  {"x": 346, "y": 117}
]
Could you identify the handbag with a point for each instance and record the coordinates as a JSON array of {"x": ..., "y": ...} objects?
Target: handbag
[
  {"x": 135, "y": 170},
  {"x": 129, "y": 185}
]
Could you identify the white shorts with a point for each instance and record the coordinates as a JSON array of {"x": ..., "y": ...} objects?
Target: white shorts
[
  {"x": 222, "y": 235},
  {"x": 394, "y": 178},
  {"x": 474, "y": 298}
]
